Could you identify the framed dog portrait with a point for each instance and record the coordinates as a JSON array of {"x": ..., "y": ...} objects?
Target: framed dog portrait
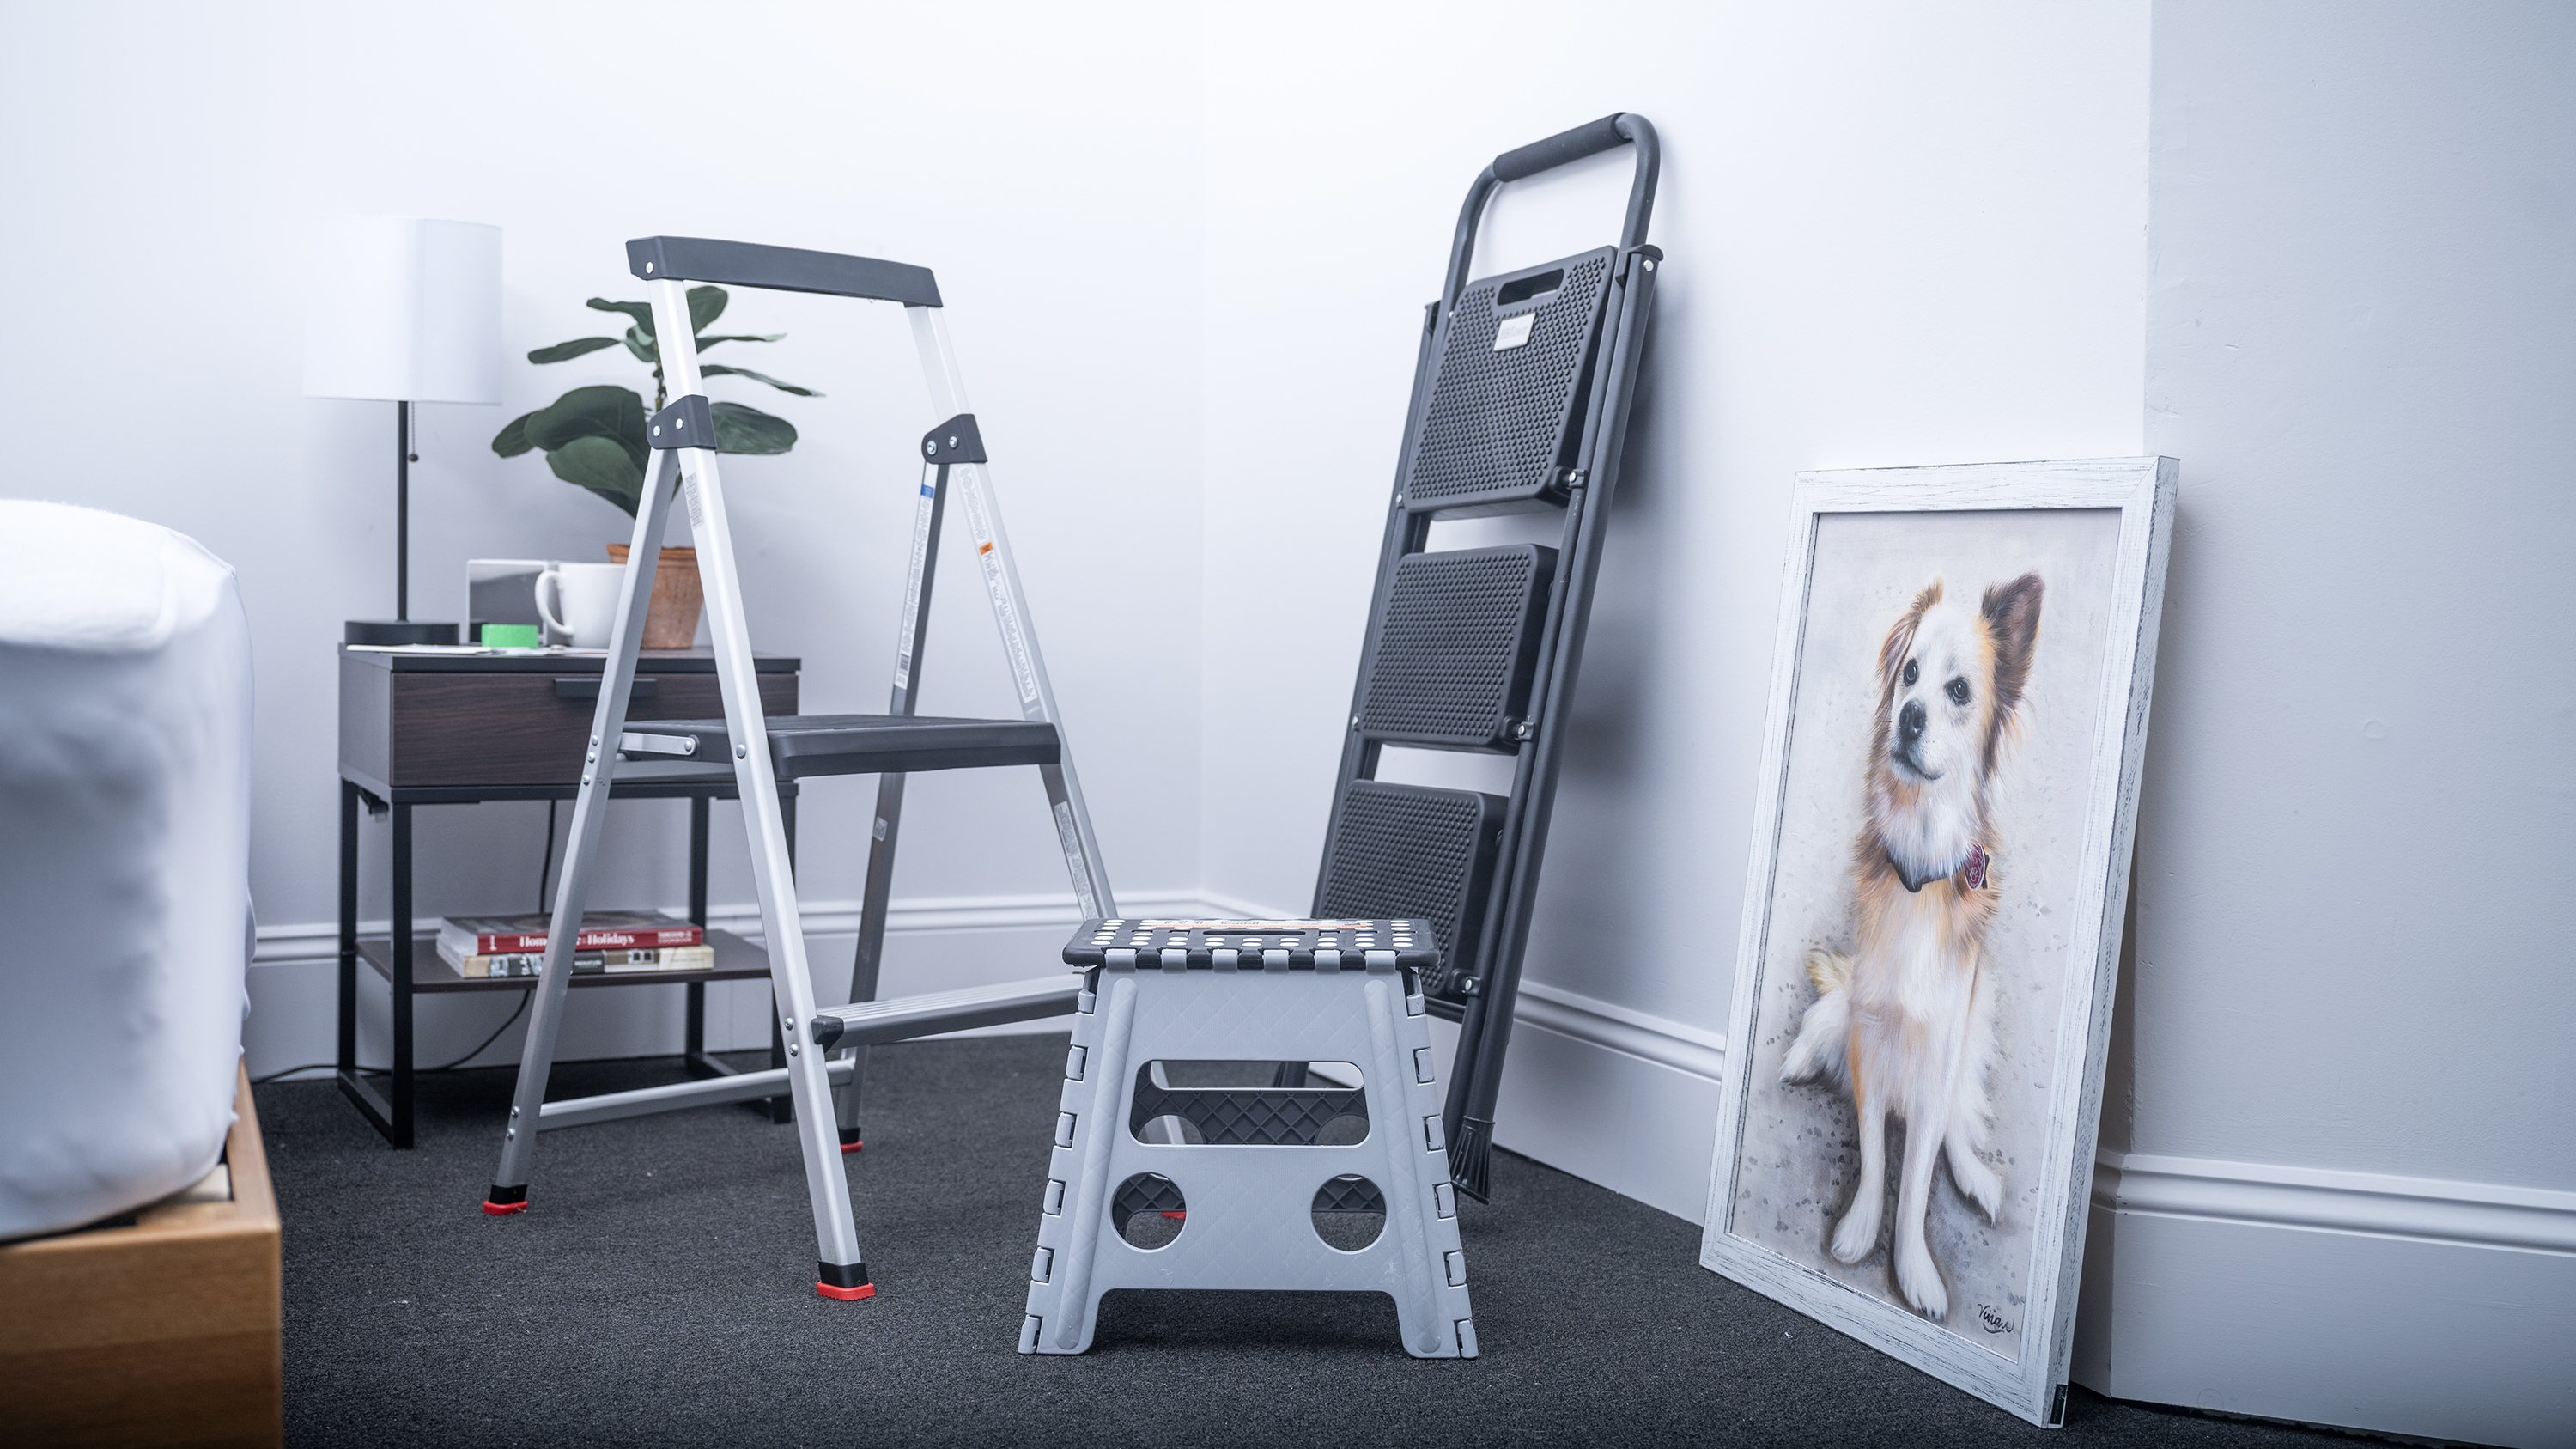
[{"x": 1932, "y": 920}]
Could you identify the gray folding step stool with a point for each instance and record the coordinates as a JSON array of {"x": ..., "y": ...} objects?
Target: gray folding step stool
[
  {"x": 1520, "y": 404},
  {"x": 760, "y": 751},
  {"x": 1252, "y": 1193}
]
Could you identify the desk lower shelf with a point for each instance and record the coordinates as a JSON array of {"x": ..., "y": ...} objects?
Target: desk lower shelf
[{"x": 736, "y": 960}]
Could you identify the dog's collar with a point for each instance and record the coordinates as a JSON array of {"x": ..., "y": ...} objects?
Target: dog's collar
[{"x": 1970, "y": 873}]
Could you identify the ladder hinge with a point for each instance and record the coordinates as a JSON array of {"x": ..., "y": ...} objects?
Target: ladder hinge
[
  {"x": 686, "y": 423},
  {"x": 954, "y": 441}
]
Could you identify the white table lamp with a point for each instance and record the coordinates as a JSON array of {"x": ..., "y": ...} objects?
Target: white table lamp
[{"x": 403, "y": 309}]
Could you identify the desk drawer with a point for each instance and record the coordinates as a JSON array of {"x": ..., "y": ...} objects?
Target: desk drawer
[{"x": 520, "y": 729}]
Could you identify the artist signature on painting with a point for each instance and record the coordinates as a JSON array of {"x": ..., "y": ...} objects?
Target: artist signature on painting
[{"x": 1994, "y": 1322}]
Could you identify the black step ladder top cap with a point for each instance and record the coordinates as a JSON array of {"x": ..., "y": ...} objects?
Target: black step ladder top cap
[{"x": 780, "y": 269}]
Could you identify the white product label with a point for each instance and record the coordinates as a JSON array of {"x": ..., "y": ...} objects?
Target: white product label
[{"x": 1514, "y": 331}]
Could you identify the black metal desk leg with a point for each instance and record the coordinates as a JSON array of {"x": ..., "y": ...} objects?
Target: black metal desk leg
[
  {"x": 402, "y": 943},
  {"x": 347, "y": 1060},
  {"x": 693, "y": 1040}
]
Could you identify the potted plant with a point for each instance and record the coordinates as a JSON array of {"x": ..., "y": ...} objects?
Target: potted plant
[{"x": 593, "y": 437}]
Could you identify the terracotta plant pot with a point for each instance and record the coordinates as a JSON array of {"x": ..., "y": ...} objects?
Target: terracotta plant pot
[{"x": 672, "y": 622}]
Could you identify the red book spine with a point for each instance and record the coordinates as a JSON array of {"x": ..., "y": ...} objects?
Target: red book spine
[{"x": 499, "y": 944}]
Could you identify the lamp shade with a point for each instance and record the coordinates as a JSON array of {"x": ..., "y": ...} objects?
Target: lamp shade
[{"x": 403, "y": 308}]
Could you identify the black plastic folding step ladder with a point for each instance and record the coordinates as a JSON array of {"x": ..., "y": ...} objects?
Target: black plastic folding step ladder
[
  {"x": 762, "y": 751},
  {"x": 1520, "y": 404}
]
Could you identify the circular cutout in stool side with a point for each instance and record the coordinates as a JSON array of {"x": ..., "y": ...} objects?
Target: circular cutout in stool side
[{"x": 1349, "y": 1212}]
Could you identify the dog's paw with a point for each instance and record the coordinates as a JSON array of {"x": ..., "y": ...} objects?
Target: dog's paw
[
  {"x": 1977, "y": 1182},
  {"x": 1857, "y": 1234},
  {"x": 1920, "y": 1281}
]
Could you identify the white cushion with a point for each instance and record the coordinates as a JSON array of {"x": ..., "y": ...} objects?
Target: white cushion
[{"x": 125, "y": 736}]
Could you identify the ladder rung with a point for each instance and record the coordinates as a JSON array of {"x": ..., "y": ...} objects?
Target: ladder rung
[
  {"x": 875, "y": 744},
  {"x": 905, "y": 1017},
  {"x": 705, "y": 1092}
]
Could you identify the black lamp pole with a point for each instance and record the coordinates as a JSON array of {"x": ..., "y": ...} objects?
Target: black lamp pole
[
  {"x": 399, "y": 629},
  {"x": 402, "y": 512}
]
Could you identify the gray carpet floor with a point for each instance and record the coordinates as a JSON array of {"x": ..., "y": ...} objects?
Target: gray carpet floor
[{"x": 660, "y": 1291}]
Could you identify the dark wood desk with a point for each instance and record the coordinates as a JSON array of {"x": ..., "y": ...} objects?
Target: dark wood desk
[{"x": 428, "y": 729}]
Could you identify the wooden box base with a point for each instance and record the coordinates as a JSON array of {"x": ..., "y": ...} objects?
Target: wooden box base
[{"x": 162, "y": 1332}]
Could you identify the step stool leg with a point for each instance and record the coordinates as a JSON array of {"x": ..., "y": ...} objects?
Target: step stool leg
[
  {"x": 1432, "y": 1309},
  {"x": 509, "y": 1192},
  {"x": 1063, "y": 1308}
]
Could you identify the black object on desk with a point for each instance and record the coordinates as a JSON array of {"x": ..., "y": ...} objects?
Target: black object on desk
[{"x": 460, "y": 729}]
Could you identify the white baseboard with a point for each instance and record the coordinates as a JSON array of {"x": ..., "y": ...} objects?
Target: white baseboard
[{"x": 2402, "y": 1305}]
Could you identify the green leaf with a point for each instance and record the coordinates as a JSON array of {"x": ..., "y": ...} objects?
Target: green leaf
[
  {"x": 642, "y": 312},
  {"x": 567, "y": 351},
  {"x": 706, "y": 342},
  {"x": 600, "y": 465},
  {"x": 713, "y": 370},
  {"x": 512, "y": 440},
  {"x": 613, "y": 413},
  {"x": 706, "y": 304},
  {"x": 645, "y": 348},
  {"x": 749, "y": 430}
]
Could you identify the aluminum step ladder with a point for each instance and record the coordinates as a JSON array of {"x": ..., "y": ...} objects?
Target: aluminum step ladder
[
  {"x": 1520, "y": 404},
  {"x": 1340, "y": 1186},
  {"x": 825, "y": 1047}
]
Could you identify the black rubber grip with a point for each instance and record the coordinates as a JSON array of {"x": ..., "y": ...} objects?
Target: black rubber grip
[
  {"x": 780, "y": 269},
  {"x": 1589, "y": 139}
]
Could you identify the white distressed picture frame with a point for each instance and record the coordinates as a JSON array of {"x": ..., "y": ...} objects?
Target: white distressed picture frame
[{"x": 2033, "y": 1385}]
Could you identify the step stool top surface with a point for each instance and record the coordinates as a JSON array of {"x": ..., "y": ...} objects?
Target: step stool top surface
[{"x": 1347, "y": 942}]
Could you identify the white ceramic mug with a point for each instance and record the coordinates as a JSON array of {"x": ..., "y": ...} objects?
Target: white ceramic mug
[{"x": 584, "y": 606}]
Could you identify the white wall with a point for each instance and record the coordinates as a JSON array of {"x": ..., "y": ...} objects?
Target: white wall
[
  {"x": 2338, "y": 1138},
  {"x": 1895, "y": 235},
  {"x": 164, "y": 157}
]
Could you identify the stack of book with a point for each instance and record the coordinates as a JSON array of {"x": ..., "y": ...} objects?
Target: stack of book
[{"x": 610, "y": 941}]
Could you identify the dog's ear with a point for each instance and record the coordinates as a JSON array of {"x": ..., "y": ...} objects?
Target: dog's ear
[
  {"x": 2011, "y": 613},
  {"x": 1900, "y": 640}
]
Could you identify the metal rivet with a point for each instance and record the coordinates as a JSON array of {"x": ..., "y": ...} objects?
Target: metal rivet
[
  {"x": 594, "y": 742},
  {"x": 1650, "y": 264},
  {"x": 511, "y": 1133},
  {"x": 952, "y": 442},
  {"x": 791, "y": 1048},
  {"x": 657, "y": 430},
  {"x": 740, "y": 752}
]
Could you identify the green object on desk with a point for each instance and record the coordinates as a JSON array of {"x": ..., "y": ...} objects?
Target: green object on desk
[{"x": 512, "y": 636}]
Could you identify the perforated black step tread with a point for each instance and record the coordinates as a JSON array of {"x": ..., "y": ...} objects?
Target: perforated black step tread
[{"x": 802, "y": 745}]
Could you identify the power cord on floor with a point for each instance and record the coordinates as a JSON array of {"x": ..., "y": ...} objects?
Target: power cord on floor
[
  {"x": 545, "y": 870},
  {"x": 416, "y": 1071}
]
